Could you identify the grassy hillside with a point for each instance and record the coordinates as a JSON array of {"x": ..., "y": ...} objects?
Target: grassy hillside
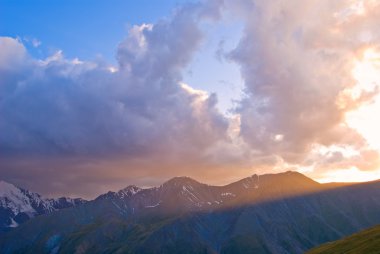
[{"x": 367, "y": 241}]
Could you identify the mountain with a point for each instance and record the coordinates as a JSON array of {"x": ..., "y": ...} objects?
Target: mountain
[
  {"x": 273, "y": 213},
  {"x": 121, "y": 194},
  {"x": 366, "y": 241},
  {"x": 19, "y": 205},
  {"x": 183, "y": 194}
]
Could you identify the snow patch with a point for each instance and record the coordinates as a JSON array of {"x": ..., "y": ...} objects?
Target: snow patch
[
  {"x": 13, "y": 223},
  {"x": 152, "y": 206},
  {"x": 225, "y": 194},
  {"x": 13, "y": 198}
]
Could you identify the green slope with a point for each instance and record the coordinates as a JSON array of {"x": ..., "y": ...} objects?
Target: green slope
[{"x": 367, "y": 241}]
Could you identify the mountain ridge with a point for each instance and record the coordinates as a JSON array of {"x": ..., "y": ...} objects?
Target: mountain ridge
[
  {"x": 18, "y": 205},
  {"x": 209, "y": 196},
  {"x": 262, "y": 215}
]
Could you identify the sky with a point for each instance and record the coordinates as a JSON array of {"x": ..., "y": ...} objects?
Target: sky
[{"x": 97, "y": 95}]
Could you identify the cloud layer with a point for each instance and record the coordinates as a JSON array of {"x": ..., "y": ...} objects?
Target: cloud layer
[
  {"x": 139, "y": 110},
  {"x": 81, "y": 125},
  {"x": 297, "y": 60}
]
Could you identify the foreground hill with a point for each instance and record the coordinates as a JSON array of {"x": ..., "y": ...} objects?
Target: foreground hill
[
  {"x": 274, "y": 213},
  {"x": 367, "y": 241}
]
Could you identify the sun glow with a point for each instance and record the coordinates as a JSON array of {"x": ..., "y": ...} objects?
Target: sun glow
[
  {"x": 365, "y": 119},
  {"x": 349, "y": 175}
]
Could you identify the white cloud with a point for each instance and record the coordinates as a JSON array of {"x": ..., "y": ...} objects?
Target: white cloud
[{"x": 296, "y": 59}]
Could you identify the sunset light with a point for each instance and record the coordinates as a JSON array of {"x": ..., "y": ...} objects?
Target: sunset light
[
  {"x": 189, "y": 126},
  {"x": 365, "y": 118}
]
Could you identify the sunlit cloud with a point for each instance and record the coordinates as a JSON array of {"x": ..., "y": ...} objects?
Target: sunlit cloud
[{"x": 367, "y": 75}]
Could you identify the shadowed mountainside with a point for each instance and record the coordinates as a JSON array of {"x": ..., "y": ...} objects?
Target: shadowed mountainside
[{"x": 274, "y": 213}]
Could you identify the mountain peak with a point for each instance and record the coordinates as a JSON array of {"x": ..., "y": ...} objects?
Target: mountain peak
[
  {"x": 10, "y": 191},
  {"x": 7, "y": 188},
  {"x": 181, "y": 181},
  {"x": 289, "y": 181},
  {"x": 131, "y": 187},
  {"x": 129, "y": 190},
  {"x": 19, "y": 205},
  {"x": 287, "y": 174}
]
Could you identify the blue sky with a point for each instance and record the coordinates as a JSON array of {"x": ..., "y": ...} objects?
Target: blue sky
[
  {"x": 92, "y": 29},
  {"x": 83, "y": 29}
]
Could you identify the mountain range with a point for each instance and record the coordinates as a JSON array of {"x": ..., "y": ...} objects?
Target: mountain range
[
  {"x": 272, "y": 213},
  {"x": 18, "y": 205}
]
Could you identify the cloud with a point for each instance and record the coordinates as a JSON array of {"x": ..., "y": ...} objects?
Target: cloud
[
  {"x": 297, "y": 60},
  {"x": 11, "y": 55},
  {"x": 139, "y": 111},
  {"x": 83, "y": 108},
  {"x": 85, "y": 125}
]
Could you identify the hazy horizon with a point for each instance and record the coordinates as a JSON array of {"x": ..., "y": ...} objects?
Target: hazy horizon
[{"x": 97, "y": 193}]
